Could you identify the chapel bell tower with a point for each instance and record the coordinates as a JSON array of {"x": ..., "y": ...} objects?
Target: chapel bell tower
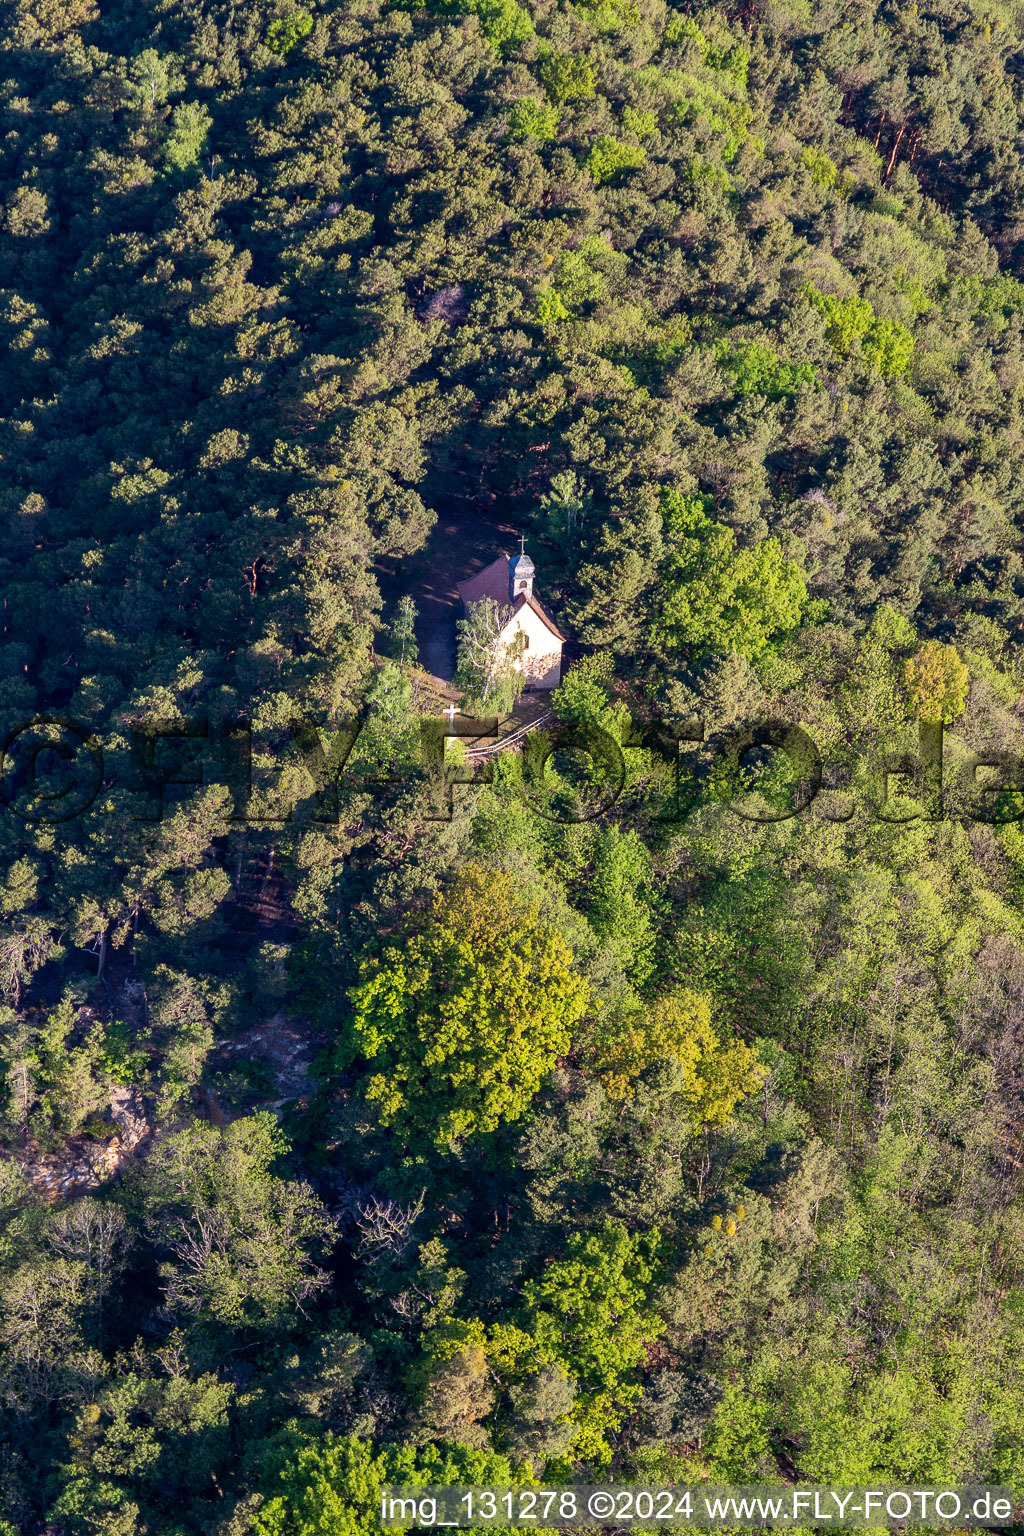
[{"x": 520, "y": 573}]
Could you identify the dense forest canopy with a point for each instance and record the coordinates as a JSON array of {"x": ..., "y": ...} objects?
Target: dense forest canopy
[{"x": 356, "y": 1127}]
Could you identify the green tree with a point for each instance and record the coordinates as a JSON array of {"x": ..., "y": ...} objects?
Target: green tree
[
  {"x": 390, "y": 735},
  {"x": 757, "y": 370},
  {"x": 589, "y": 1316},
  {"x": 286, "y": 33},
  {"x": 152, "y": 78},
  {"x": 567, "y": 77},
  {"x": 402, "y": 632},
  {"x": 619, "y": 900},
  {"x": 718, "y": 597},
  {"x": 504, "y": 23},
  {"x": 591, "y": 1313},
  {"x": 532, "y": 119},
  {"x": 463, "y": 1022},
  {"x": 142, "y": 1443},
  {"x": 186, "y": 141},
  {"x": 886, "y": 344},
  {"x": 336, "y": 1483},
  {"x": 610, "y": 155},
  {"x": 240, "y": 1241}
]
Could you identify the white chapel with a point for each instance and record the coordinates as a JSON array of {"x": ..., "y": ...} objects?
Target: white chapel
[{"x": 508, "y": 581}]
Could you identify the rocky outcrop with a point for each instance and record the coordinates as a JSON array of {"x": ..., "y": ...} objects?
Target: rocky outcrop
[
  {"x": 84, "y": 1164},
  {"x": 129, "y": 1115},
  {"x": 287, "y": 1046}
]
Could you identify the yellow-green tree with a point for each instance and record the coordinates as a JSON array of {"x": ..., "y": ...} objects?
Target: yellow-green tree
[
  {"x": 679, "y": 1028},
  {"x": 465, "y": 1019},
  {"x": 937, "y": 683}
]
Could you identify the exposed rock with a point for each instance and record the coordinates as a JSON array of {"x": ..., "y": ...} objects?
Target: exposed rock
[
  {"x": 129, "y": 1115},
  {"x": 79, "y": 1167},
  {"x": 84, "y": 1164},
  {"x": 211, "y": 1105},
  {"x": 288, "y": 1047}
]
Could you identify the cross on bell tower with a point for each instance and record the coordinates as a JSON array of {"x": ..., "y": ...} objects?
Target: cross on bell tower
[{"x": 521, "y": 572}]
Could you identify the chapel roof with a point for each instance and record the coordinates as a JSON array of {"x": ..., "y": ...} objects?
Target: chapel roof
[
  {"x": 541, "y": 612},
  {"x": 492, "y": 582}
]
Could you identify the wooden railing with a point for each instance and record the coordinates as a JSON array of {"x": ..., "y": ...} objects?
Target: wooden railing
[{"x": 492, "y": 748}]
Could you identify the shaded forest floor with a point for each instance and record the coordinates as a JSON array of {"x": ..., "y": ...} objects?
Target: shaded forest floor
[{"x": 469, "y": 534}]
